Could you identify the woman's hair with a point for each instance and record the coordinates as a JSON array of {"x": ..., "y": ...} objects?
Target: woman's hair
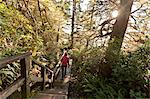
[
  {"x": 65, "y": 54},
  {"x": 65, "y": 48}
]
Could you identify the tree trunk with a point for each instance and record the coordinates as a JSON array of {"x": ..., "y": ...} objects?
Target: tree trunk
[
  {"x": 58, "y": 49},
  {"x": 116, "y": 39},
  {"x": 73, "y": 19}
]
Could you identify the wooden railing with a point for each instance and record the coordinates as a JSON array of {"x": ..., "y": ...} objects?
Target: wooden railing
[
  {"x": 24, "y": 80},
  {"x": 45, "y": 68}
]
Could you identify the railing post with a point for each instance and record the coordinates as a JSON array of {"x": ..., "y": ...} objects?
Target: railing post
[
  {"x": 43, "y": 74},
  {"x": 25, "y": 67}
]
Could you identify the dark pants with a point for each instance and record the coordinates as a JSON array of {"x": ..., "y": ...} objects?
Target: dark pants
[{"x": 63, "y": 67}]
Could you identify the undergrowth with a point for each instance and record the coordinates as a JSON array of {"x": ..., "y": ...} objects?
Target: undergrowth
[{"x": 129, "y": 79}]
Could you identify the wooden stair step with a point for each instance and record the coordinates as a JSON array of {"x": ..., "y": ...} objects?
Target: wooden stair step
[
  {"x": 50, "y": 96},
  {"x": 60, "y": 91}
]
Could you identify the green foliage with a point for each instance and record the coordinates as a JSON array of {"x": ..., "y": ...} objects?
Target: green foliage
[
  {"x": 8, "y": 75},
  {"x": 25, "y": 28},
  {"x": 17, "y": 34},
  {"x": 129, "y": 77},
  {"x": 85, "y": 59},
  {"x": 99, "y": 87}
]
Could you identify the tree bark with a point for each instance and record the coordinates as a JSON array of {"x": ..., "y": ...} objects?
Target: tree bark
[
  {"x": 39, "y": 8},
  {"x": 117, "y": 36},
  {"x": 73, "y": 21}
]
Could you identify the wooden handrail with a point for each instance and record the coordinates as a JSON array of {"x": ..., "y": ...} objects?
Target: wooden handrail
[
  {"x": 11, "y": 59},
  {"x": 23, "y": 81},
  {"x": 41, "y": 65},
  {"x": 43, "y": 72}
]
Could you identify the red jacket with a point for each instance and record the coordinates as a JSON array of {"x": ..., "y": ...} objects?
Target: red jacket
[{"x": 65, "y": 60}]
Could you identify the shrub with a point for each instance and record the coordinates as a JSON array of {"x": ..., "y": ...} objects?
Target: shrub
[{"x": 128, "y": 78}]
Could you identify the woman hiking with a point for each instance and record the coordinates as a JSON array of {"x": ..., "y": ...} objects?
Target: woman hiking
[{"x": 64, "y": 64}]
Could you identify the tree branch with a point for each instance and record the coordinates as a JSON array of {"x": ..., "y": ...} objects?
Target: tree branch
[{"x": 137, "y": 9}]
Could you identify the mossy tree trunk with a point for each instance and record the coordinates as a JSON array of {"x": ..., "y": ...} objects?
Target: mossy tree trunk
[{"x": 117, "y": 36}]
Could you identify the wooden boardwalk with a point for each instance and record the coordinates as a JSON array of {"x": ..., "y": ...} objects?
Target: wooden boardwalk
[
  {"x": 60, "y": 90},
  {"x": 26, "y": 83}
]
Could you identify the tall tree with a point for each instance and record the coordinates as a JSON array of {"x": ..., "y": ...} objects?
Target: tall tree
[
  {"x": 73, "y": 22},
  {"x": 117, "y": 36}
]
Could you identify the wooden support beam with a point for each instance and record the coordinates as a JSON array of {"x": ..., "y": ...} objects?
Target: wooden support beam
[
  {"x": 25, "y": 67},
  {"x": 43, "y": 75}
]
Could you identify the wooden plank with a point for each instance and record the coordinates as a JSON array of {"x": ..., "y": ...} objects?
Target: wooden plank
[
  {"x": 7, "y": 92},
  {"x": 50, "y": 96},
  {"x": 11, "y": 59},
  {"x": 58, "y": 91},
  {"x": 25, "y": 67},
  {"x": 57, "y": 72},
  {"x": 43, "y": 75}
]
